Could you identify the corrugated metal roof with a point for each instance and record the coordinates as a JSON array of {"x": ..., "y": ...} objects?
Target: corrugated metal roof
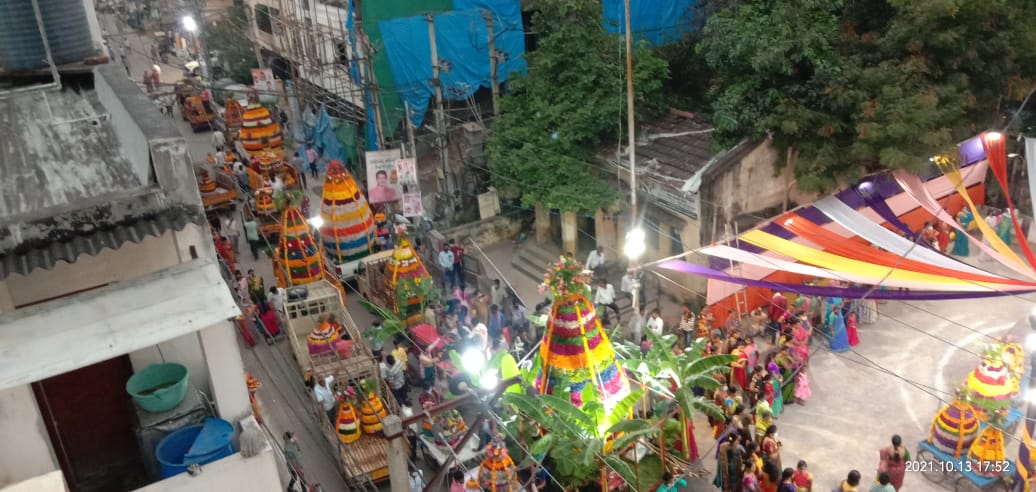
[{"x": 93, "y": 243}]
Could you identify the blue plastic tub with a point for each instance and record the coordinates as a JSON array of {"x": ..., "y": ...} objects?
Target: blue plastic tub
[{"x": 196, "y": 444}]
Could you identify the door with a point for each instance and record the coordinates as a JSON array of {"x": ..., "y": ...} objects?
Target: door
[{"x": 91, "y": 421}]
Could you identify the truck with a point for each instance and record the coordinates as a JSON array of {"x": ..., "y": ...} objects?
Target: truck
[
  {"x": 366, "y": 460},
  {"x": 374, "y": 287},
  {"x": 198, "y": 112}
]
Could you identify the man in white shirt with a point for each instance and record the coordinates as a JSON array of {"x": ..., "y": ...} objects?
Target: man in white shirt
[
  {"x": 604, "y": 299},
  {"x": 595, "y": 261},
  {"x": 637, "y": 325},
  {"x": 326, "y": 398},
  {"x": 655, "y": 324},
  {"x": 496, "y": 293},
  {"x": 276, "y": 298},
  {"x": 218, "y": 141},
  {"x": 446, "y": 264}
]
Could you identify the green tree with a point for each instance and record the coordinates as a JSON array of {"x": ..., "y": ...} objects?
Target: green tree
[
  {"x": 582, "y": 442},
  {"x": 571, "y": 101},
  {"x": 862, "y": 85},
  {"x": 228, "y": 37}
]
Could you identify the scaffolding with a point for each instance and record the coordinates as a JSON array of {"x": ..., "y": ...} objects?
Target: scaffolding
[{"x": 313, "y": 39}]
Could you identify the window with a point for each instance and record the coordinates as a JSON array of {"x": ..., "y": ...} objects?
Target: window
[
  {"x": 264, "y": 18},
  {"x": 675, "y": 243}
]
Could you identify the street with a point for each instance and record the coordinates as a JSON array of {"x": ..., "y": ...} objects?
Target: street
[{"x": 894, "y": 382}]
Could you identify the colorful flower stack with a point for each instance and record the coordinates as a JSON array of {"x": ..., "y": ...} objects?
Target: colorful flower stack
[
  {"x": 992, "y": 384},
  {"x": 205, "y": 182},
  {"x": 348, "y": 230},
  {"x": 346, "y": 422},
  {"x": 298, "y": 251},
  {"x": 264, "y": 202},
  {"x": 404, "y": 272},
  {"x": 372, "y": 412},
  {"x": 447, "y": 429},
  {"x": 497, "y": 473},
  {"x": 987, "y": 449},
  {"x": 575, "y": 347},
  {"x": 955, "y": 428},
  {"x": 259, "y": 130},
  {"x": 322, "y": 339}
]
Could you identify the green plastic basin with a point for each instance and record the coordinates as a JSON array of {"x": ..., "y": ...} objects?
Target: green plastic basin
[{"x": 159, "y": 387}]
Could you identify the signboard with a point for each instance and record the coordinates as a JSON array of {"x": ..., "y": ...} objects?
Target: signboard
[
  {"x": 411, "y": 186},
  {"x": 383, "y": 177},
  {"x": 262, "y": 79}
]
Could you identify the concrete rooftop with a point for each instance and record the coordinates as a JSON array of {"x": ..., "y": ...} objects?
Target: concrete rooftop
[{"x": 60, "y": 149}]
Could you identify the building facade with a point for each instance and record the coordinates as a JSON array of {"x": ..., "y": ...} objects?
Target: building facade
[{"x": 107, "y": 267}]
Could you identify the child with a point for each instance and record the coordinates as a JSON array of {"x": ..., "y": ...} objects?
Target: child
[
  {"x": 802, "y": 392},
  {"x": 802, "y": 478}
]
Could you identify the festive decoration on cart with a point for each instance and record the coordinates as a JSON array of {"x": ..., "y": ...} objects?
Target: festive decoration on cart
[
  {"x": 259, "y": 130},
  {"x": 445, "y": 429},
  {"x": 205, "y": 182},
  {"x": 404, "y": 274},
  {"x": 322, "y": 339},
  {"x": 987, "y": 452},
  {"x": 372, "y": 410},
  {"x": 575, "y": 347},
  {"x": 497, "y": 473},
  {"x": 299, "y": 252},
  {"x": 955, "y": 428},
  {"x": 992, "y": 384},
  {"x": 347, "y": 422},
  {"x": 348, "y": 229}
]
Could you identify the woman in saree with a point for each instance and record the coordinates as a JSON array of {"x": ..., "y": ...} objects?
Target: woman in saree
[
  {"x": 839, "y": 337},
  {"x": 960, "y": 240},
  {"x": 739, "y": 371},
  {"x": 1004, "y": 226},
  {"x": 786, "y": 383}
]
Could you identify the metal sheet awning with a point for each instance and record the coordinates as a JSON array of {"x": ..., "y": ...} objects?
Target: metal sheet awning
[{"x": 62, "y": 335}]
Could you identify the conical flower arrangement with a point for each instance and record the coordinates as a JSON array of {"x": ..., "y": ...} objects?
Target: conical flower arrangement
[
  {"x": 259, "y": 131},
  {"x": 992, "y": 384},
  {"x": 347, "y": 422},
  {"x": 575, "y": 347},
  {"x": 348, "y": 230},
  {"x": 987, "y": 451},
  {"x": 497, "y": 473},
  {"x": 404, "y": 273},
  {"x": 299, "y": 253},
  {"x": 955, "y": 428}
]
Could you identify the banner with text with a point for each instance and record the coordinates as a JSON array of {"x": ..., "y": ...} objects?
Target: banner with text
[{"x": 411, "y": 186}]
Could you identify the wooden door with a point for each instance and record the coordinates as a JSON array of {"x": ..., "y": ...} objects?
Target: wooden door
[{"x": 91, "y": 421}]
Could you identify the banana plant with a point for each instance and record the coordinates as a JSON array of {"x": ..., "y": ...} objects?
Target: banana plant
[{"x": 583, "y": 443}]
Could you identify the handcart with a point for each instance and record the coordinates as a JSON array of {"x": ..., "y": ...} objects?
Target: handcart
[{"x": 955, "y": 473}]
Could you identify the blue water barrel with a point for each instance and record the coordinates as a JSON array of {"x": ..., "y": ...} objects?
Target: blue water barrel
[
  {"x": 195, "y": 444},
  {"x": 21, "y": 45}
]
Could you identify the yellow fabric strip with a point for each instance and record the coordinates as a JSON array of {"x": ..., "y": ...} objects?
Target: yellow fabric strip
[
  {"x": 838, "y": 263},
  {"x": 951, "y": 169}
]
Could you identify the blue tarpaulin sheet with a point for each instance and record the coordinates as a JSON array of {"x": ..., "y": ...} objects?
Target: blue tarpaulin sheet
[
  {"x": 462, "y": 42},
  {"x": 655, "y": 21}
]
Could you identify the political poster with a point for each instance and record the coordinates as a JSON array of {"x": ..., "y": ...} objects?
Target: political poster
[
  {"x": 383, "y": 184},
  {"x": 411, "y": 186}
]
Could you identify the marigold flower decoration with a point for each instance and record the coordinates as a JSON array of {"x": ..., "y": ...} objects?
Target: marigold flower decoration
[{"x": 565, "y": 277}]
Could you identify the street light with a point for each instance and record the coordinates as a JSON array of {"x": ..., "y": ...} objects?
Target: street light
[
  {"x": 317, "y": 221},
  {"x": 473, "y": 361},
  {"x": 189, "y": 24},
  {"x": 634, "y": 243}
]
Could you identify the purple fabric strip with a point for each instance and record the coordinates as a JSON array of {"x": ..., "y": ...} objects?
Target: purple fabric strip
[
  {"x": 846, "y": 292},
  {"x": 876, "y": 202}
]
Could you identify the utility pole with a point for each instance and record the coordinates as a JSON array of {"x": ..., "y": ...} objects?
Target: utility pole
[
  {"x": 409, "y": 133},
  {"x": 440, "y": 123},
  {"x": 630, "y": 123},
  {"x": 493, "y": 77},
  {"x": 253, "y": 39}
]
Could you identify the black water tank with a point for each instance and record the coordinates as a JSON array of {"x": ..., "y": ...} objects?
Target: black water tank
[{"x": 21, "y": 45}]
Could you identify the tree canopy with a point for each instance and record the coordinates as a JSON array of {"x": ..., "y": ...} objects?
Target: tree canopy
[
  {"x": 857, "y": 86},
  {"x": 228, "y": 37},
  {"x": 571, "y": 101}
]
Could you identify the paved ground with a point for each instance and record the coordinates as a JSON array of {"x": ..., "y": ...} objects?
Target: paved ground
[{"x": 914, "y": 356}]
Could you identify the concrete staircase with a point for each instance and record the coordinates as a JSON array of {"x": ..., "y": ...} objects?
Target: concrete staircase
[{"x": 532, "y": 259}]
